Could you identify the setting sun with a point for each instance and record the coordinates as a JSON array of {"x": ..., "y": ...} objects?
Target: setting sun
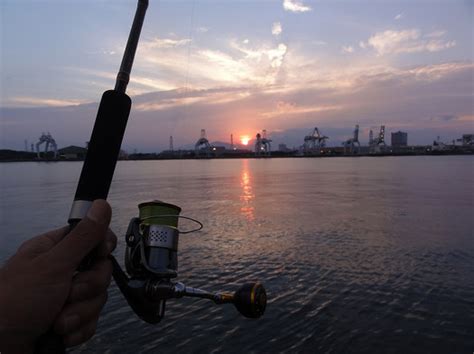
[{"x": 244, "y": 139}]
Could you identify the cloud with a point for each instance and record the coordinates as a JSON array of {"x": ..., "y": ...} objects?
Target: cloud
[
  {"x": 277, "y": 55},
  {"x": 276, "y": 28},
  {"x": 333, "y": 99},
  {"x": 41, "y": 102},
  {"x": 398, "y": 17},
  {"x": 258, "y": 59},
  {"x": 439, "y": 71},
  {"x": 202, "y": 29},
  {"x": 452, "y": 118},
  {"x": 467, "y": 118},
  {"x": 295, "y": 6},
  {"x": 166, "y": 43},
  {"x": 232, "y": 63},
  {"x": 288, "y": 109},
  {"x": 405, "y": 41},
  {"x": 347, "y": 49},
  {"x": 152, "y": 83},
  {"x": 140, "y": 82},
  {"x": 435, "y": 34},
  {"x": 165, "y": 100},
  {"x": 445, "y": 117},
  {"x": 167, "y": 104},
  {"x": 319, "y": 43}
]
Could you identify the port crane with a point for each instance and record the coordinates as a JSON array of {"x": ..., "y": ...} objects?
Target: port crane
[
  {"x": 466, "y": 140},
  {"x": 378, "y": 143},
  {"x": 202, "y": 145},
  {"x": 438, "y": 145},
  {"x": 48, "y": 139},
  {"x": 353, "y": 143},
  {"x": 263, "y": 144},
  {"x": 315, "y": 142}
]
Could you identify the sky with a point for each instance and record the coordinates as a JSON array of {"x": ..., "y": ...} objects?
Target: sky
[{"x": 238, "y": 67}]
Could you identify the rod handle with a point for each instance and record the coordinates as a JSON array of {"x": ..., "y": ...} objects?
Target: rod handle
[{"x": 104, "y": 148}]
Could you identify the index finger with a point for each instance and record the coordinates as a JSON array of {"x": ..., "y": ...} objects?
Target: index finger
[
  {"x": 89, "y": 233},
  {"x": 42, "y": 243}
]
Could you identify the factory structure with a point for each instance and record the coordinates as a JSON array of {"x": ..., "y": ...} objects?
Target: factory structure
[
  {"x": 352, "y": 145},
  {"x": 314, "y": 144},
  {"x": 399, "y": 139}
]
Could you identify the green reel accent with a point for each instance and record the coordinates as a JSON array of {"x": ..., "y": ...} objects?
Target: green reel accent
[{"x": 149, "y": 213}]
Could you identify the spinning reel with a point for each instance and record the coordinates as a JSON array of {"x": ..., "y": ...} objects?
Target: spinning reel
[{"x": 151, "y": 261}]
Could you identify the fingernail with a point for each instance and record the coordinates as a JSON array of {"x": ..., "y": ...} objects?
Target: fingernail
[
  {"x": 96, "y": 212},
  {"x": 71, "y": 322}
]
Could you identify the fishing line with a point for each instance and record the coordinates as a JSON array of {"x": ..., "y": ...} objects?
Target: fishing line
[
  {"x": 177, "y": 216},
  {"x": 184, "y": 114}
]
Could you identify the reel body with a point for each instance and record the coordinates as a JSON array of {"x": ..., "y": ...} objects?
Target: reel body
[
  {"x": 151, "y": 261},
  {"x": 152, "y": 252}
]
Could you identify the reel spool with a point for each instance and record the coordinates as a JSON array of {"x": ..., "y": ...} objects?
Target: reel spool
[
  {"x": 151, "y": 261},
  {"x": 152, "y": 241}
]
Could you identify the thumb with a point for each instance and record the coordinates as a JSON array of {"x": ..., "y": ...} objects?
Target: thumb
[{"x": 88, "y": 234}]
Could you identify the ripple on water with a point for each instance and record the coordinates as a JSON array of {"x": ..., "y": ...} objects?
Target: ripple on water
[
  {"x": 327, "y": 301},
  {"x": 357, "y": 255}
]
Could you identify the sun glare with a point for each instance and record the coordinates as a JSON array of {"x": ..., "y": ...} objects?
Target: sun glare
[{"x": 244, "y": 139}]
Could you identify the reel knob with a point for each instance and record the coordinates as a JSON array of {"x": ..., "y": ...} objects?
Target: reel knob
[{"x": 251, "y": 300}]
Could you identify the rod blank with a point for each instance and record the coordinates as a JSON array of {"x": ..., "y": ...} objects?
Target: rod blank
[{"x": 127, "y": 61}]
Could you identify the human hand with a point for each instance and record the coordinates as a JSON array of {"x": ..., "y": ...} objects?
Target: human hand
[{"x": 40, "y": 287}]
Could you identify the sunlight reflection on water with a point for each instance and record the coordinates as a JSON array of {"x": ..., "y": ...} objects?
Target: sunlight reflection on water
[{"x": 247, "y": 192}]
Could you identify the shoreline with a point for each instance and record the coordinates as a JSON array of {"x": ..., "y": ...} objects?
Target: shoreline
[{"x": 276, "y": 154}]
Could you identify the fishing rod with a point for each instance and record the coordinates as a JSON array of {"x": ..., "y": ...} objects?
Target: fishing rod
[
  {"x": 102, "y": 153},
  {"x": 109, "y": 128},
  {"x": 151, "y": 257}
]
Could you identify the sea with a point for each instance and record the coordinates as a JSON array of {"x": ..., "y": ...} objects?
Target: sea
[{"x": 357, "y": 254}]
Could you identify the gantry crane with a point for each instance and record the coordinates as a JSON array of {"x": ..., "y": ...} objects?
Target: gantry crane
[
  {"x": 202, "y": 146},
  {"x": 315, "y": 142},
  {"x": 48, "y": 139},
  {"x": 378, "y": 143},
  {"x": 263, "y": 144}
]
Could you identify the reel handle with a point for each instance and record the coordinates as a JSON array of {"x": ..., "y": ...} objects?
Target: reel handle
[{"x": 251, "y": 300}]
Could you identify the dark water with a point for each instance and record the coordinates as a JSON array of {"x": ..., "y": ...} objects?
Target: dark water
[{"x": 357, "y": 254}]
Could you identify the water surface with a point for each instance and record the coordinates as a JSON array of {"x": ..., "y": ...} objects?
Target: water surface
[{"x": 357, "y": 254}]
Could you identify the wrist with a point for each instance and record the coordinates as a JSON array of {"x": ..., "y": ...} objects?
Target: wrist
[
  {"x": 12, "y": 342},
  {"x": 12, "y": 338}
]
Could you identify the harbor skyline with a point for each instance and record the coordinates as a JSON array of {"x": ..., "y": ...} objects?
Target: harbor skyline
[{"x": 239, "y": 68}]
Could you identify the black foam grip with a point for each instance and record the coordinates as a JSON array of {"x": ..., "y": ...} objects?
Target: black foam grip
[{"x": 104, "y": 146}]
